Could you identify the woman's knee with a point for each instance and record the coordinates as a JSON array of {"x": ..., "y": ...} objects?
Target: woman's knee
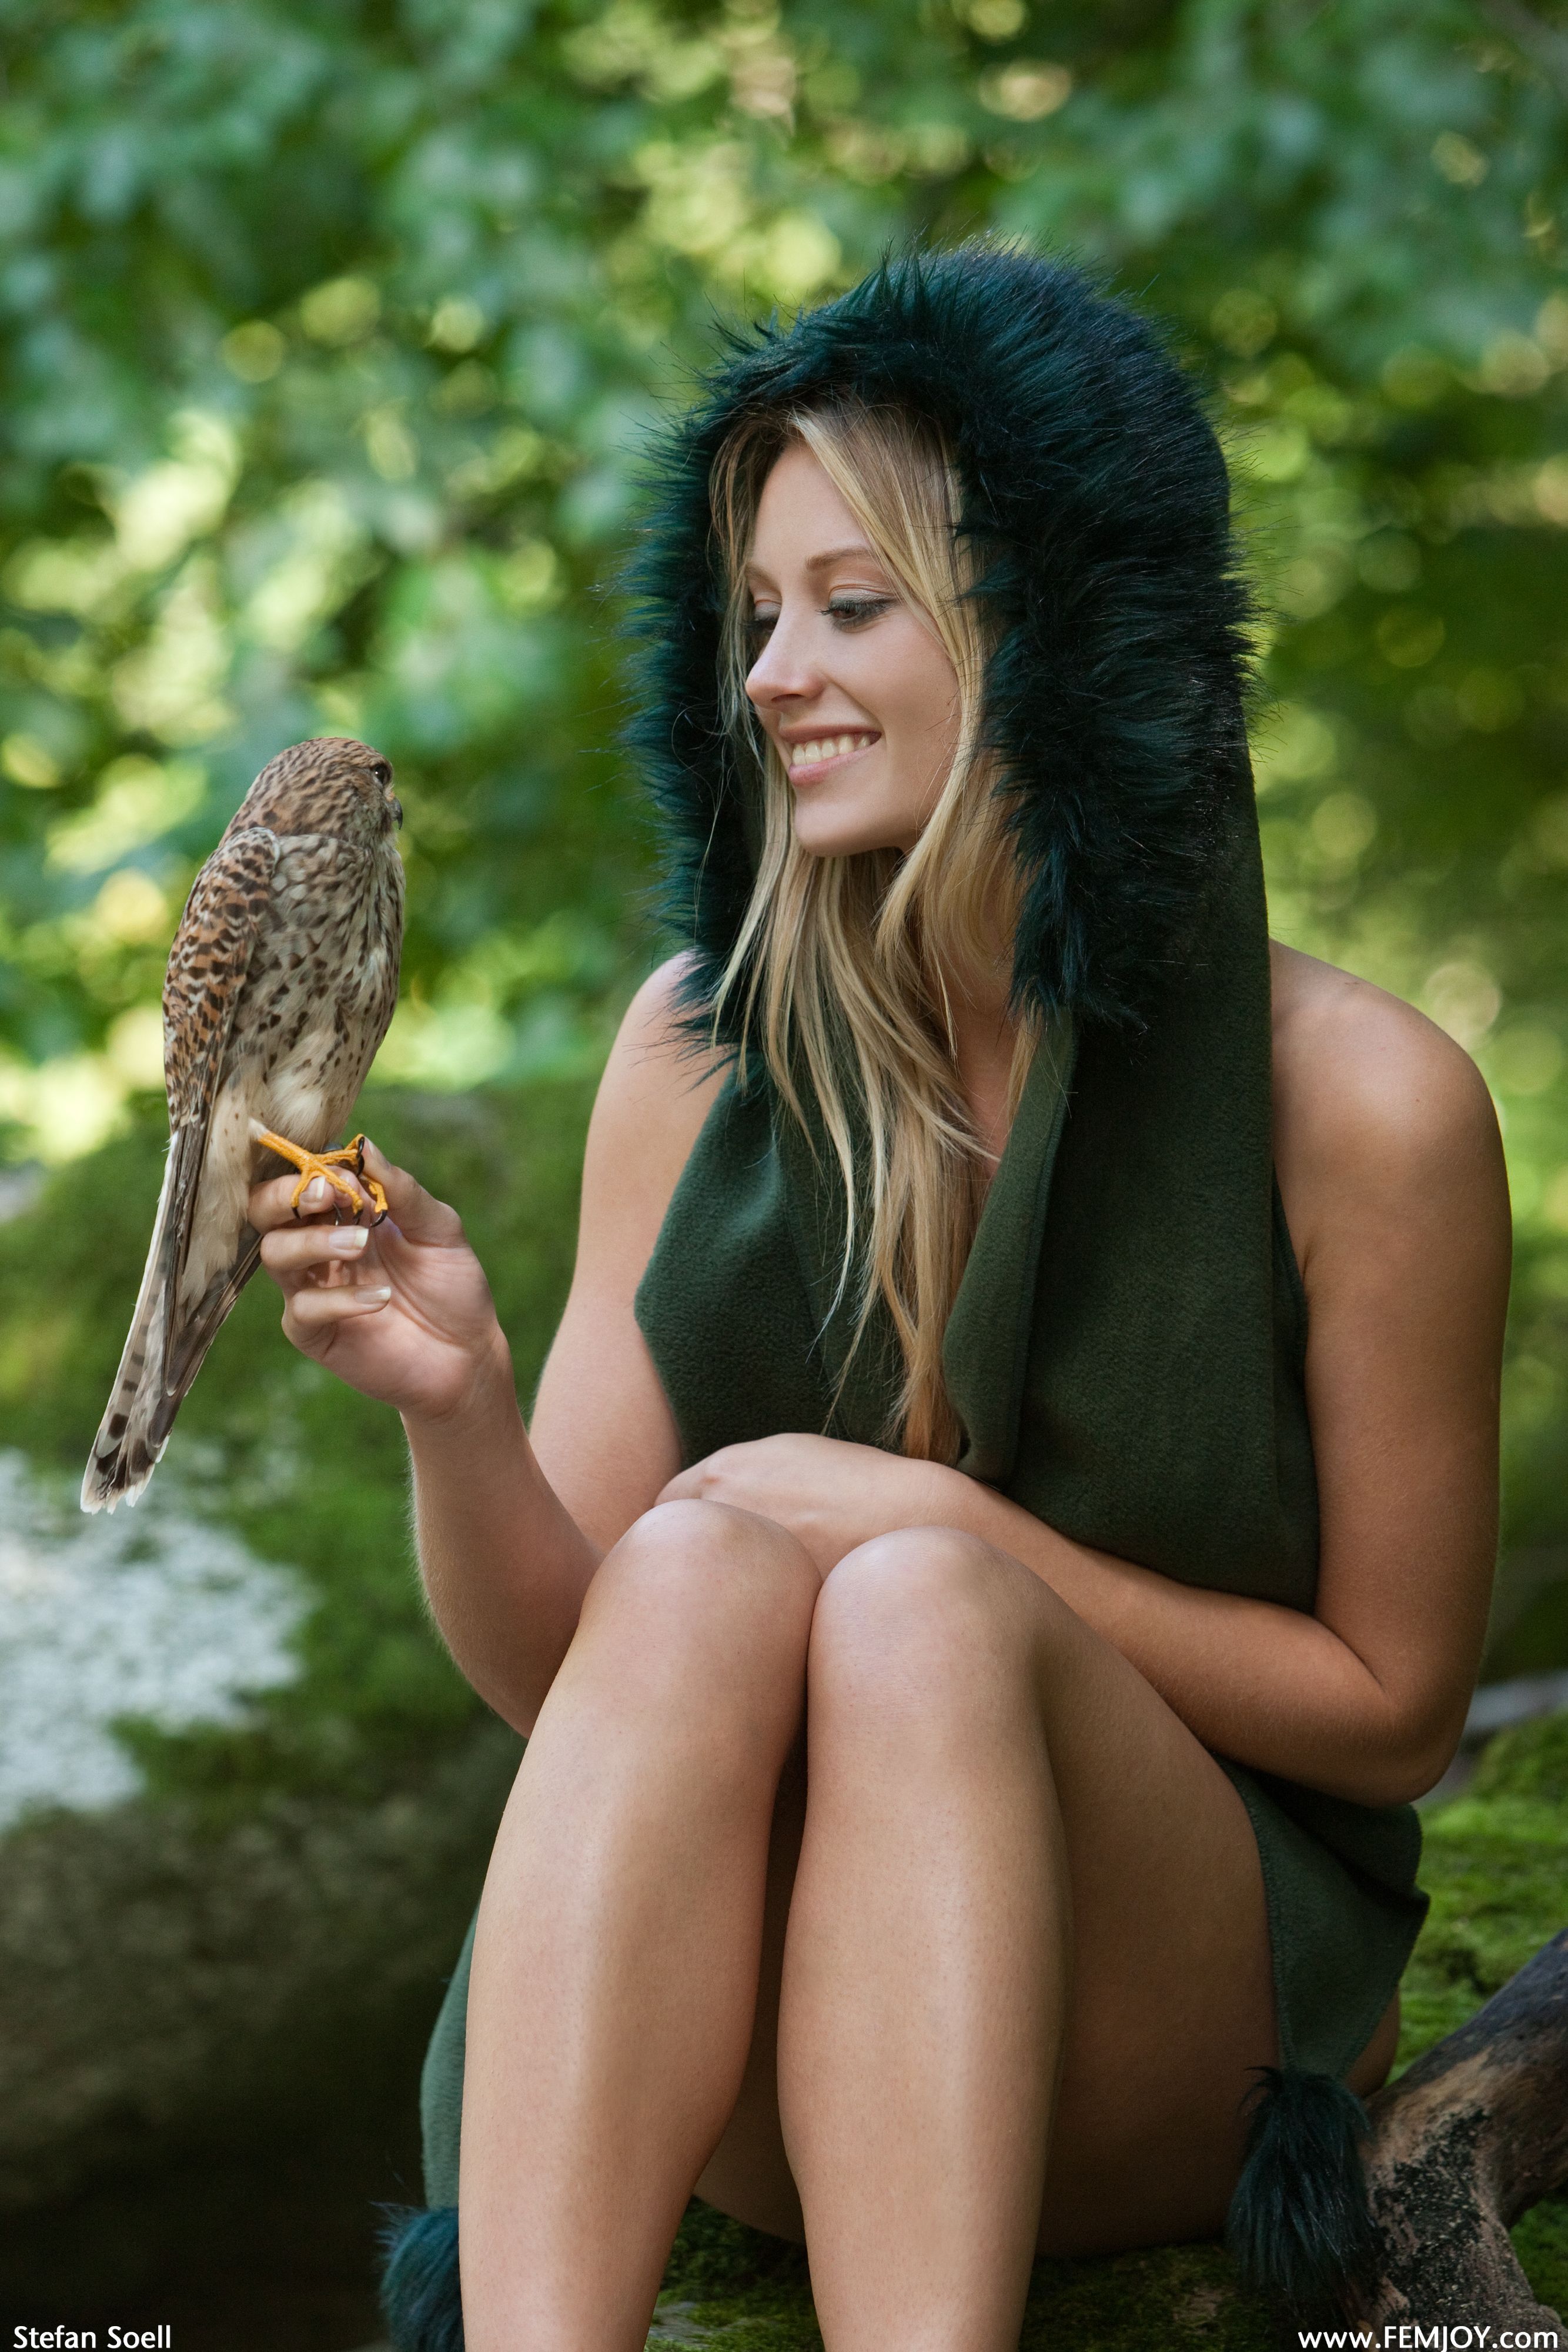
[
  {"x": 698, "y": 1592},
  {"x": 928, "y": 1619}
]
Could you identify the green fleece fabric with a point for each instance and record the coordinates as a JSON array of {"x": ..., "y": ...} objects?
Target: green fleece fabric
[{"x": 441, "y": 2084}]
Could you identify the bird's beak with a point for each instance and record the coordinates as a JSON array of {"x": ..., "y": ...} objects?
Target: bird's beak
[{"x": 396, "y": 807}]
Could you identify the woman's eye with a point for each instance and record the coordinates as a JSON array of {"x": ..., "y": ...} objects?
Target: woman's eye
[
  {"x": 759, "y": 624},
  {"x": 850, "y": 612}
]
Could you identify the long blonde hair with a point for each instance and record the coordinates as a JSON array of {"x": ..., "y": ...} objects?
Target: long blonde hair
[{"x": 842, "y": 968}]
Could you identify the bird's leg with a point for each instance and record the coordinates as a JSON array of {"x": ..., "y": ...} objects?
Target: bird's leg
[{"x": 325, "y": 1165}]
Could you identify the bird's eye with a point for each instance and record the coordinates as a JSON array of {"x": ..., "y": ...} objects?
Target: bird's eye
[{"x": 382, "y": 774}]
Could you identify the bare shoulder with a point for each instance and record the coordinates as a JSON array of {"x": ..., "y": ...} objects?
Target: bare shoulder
[
  {"x": 657, "y": 1089},
  {"x": 1379, "y": 1114}
]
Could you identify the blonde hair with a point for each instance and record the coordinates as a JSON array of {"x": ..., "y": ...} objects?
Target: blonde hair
[{"x": 843, "y": 966}]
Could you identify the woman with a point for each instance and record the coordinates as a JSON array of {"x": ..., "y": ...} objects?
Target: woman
[{"x": 979, "y": 1613}]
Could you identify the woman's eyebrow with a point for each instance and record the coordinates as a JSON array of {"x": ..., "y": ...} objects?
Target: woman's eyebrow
[
  {"x": 838, "y": 554},
  {"x": 830, "y": 556}
]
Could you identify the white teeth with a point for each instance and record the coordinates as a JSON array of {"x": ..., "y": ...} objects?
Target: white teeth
[{"x": 830, "y": 747}]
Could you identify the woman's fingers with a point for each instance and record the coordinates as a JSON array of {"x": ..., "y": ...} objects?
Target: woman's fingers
[
  {"x": 297, "y": 1249},
  {"x": 311, "y": 1309},
  {"x": 418, "y": 1215}
]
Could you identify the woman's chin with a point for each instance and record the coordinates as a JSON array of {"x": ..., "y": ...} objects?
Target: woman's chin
[{"x": 845, "y": 833}]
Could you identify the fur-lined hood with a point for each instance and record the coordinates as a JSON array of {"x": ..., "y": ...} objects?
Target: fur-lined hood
[{"x": 1096, "y": 498}]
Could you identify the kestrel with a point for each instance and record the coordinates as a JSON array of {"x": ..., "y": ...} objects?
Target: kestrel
[{"x": 281, "y": 981}]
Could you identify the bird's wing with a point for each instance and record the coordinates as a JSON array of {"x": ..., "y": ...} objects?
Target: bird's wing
[
  {"x": 207, "y": 967},
  {"x": 202, "y": 989}
]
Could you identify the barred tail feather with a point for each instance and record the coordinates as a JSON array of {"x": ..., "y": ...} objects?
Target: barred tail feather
[
  {"x": 1301, "y": 2226},
  {"x": 125, "y": 1451},
  {"x": 168, "y": 1342}
]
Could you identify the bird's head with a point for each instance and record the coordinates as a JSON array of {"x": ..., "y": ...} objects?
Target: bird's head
[{"x": 332, "y": 784}]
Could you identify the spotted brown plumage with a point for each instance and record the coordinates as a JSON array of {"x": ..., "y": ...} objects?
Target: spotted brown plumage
[{"x": 281, "y": 981}]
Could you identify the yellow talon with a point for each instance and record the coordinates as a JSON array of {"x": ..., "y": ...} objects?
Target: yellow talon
[{"x": 326, "y": 1165}]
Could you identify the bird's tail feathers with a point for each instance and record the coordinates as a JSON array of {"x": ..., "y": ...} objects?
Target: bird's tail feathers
[
  {"x": 200, "y": 1327},
  {"x": 165, "y": 1347},
  {"x": 166, "y": 1344},
  {"x": 124, "y": 1453}
]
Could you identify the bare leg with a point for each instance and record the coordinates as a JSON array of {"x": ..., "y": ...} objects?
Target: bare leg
[
  {"x": 1027, "y": 1913},
  {"x": 927, "y": 1962},
  {"x": 615, "y": 1968}
]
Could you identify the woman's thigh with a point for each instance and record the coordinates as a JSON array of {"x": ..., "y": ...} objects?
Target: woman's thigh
[{"x": 1172, "y": 2005}]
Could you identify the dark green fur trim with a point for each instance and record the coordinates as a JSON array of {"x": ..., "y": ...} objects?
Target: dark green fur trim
[
  {"x": 1301, "y": 2226},
  {"x": 422, "y": 2299},
  {"x": 1096, "y": 497}
]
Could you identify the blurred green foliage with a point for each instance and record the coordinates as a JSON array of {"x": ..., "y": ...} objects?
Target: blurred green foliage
[
  {"x": 304, "y": 1469},
  {"x": 332, "y": 333}
]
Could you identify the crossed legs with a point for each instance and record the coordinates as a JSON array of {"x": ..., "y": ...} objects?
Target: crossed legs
[{"x": 895, "y": 1910}]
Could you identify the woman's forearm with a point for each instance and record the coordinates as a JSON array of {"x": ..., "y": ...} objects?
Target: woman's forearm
[
  {"x": 1267, "y": 1685},
  {"x": 505, "y": 1565}
]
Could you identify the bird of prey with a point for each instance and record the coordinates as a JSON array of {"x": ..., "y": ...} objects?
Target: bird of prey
[{"x": 281, "y": 981}]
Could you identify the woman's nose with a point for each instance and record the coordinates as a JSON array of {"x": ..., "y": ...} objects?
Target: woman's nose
[{"x": 784, "y": 669}]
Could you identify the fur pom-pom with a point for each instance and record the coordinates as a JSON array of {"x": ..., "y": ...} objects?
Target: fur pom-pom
[
  {"x": 1301, "y": 2226},
  {"x": 422, "y": 2299}
]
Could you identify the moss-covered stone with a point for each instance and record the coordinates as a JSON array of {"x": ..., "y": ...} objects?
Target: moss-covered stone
[
  {"x": 1496, "y": 1866},
  {"x": 734, "y": 2289},
  {"x": 745, "y": 2293},
  {"x": 162, "y": 1974}
]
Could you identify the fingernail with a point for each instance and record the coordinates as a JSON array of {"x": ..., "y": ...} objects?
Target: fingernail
[
  {"x": 315, "y": 1193},
  {"x": 348, "y": 1240},
  {"x": 372, "y": 1297}
]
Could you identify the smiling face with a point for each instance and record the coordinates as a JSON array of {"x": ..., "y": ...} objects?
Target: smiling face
[{"x": 848, "y": 678}]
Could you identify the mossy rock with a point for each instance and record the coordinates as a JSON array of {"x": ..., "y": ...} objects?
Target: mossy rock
[
  {"x": 733, "y": 2291},
  {"x": 169, "y": 1978},
  {"x": 731, "y": 2287},
  {"x": 1496, "y": 1865}
]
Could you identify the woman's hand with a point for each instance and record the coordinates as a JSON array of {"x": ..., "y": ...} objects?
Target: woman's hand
[
  {"x": 831, "y": 1496},
  {"x": 402, "y": 1311}
]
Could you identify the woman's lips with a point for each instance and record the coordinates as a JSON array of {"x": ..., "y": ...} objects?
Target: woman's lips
[{"x": 816, "y": 755}]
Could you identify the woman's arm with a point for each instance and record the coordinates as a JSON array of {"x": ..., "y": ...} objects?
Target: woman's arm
[
  {"x": 510, "y": 1532},
  {"x": 1392, "y": 1179},
  {"x": 1394, "y": 1189}
]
